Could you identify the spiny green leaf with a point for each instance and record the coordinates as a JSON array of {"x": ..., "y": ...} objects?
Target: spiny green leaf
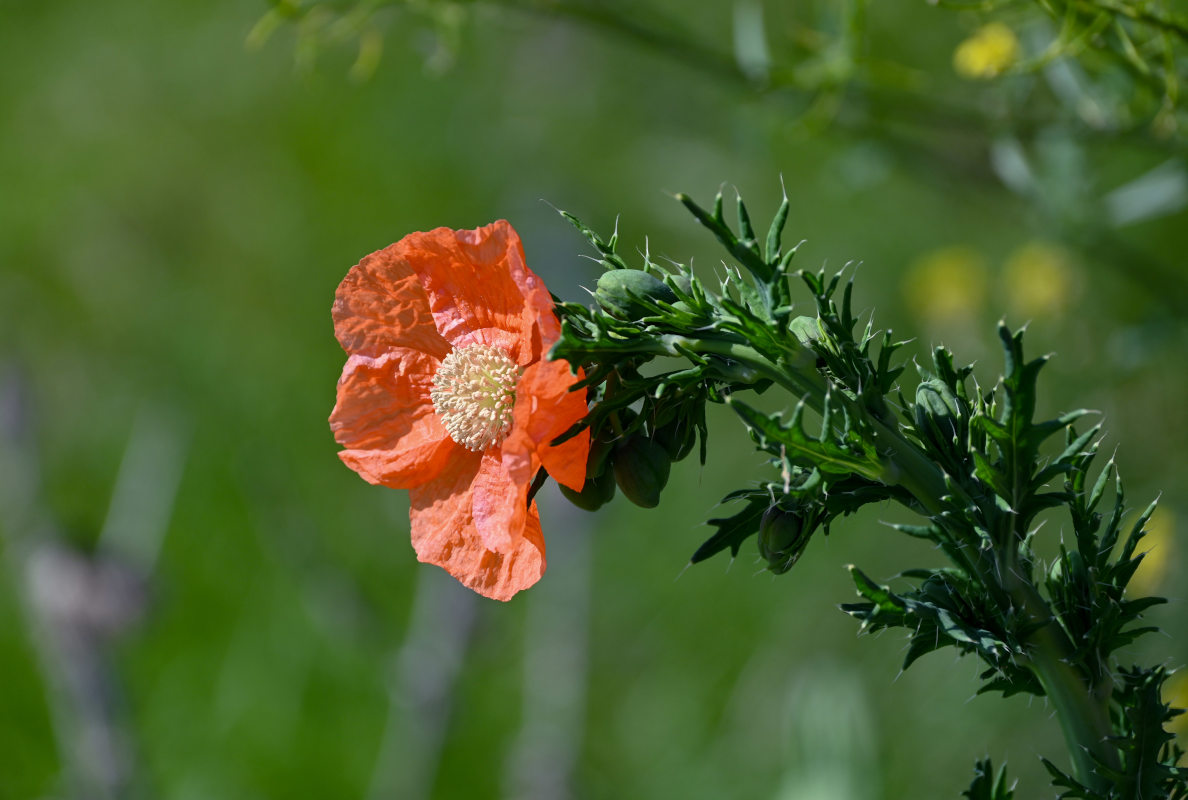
[
  {"x": 1137, "y": 532},
  {"x": 988, "y": 785},
  {"x": 745, "y": 231},
  {"x": 918, "y": 531},
  {"x": 824, "y": 454},
  {"x": 740, "y": 250},
  {"x": 1099, "y": 486},
  {"x": 881, "y": 596},
  {"x": 774, "y": 233},
  {"x": 734, "y": 530},
  {"x": 607, "y": 249}
]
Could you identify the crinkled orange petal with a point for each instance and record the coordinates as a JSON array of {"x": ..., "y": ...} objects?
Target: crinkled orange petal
[
  {"x": 479, "y": 288},
  {"x": 498, "y": 504},
  {"x": 385, "y": 419},
  {"x": 381, "y": 304},
  {"x": 546, "y": 408},
  {"x": 444, "y": 533}
]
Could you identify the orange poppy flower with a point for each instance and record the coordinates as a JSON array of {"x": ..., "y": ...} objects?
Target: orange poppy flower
[{"x": 447, "y": 393}]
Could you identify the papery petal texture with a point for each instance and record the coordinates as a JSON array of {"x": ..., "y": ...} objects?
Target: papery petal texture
[
  {"x": 499, "y": 504},
  {"x": 480, "y": 290},
  {"x": 545, "y": 409},
  {"x": 444, "y": 533},
  {"x": 401, "y": 312},
  {"x": 385, "y": 419},
  {"x": 381, "y": 304}
]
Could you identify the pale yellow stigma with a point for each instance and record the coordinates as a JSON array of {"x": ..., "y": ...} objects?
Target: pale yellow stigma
[{"x": 473, "y": 392}]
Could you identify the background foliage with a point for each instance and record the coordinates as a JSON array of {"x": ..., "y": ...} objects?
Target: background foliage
[{"x": 190, "y": 574}]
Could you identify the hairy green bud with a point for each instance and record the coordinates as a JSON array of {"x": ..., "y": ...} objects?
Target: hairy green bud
[
  {"x": 641, "y": 470},
  {"x": 805, "y": 329},
  {"x": 783, "y": 536},
  {"x": 938, "y": 414},
  {"x": 620, "y": 291}
]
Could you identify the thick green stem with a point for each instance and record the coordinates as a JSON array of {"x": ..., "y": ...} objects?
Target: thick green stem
[
  {"x": 1083, "y": 717},
  {"x": 906, "y": 465}
]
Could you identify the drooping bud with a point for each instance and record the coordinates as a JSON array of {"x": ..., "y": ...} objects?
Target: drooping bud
[
  {"x": 600, "y": 451},
  {"x": 597, "y": 492},
  {"x": 599, "y": 487},
  {"x": 641, "y": 469},
  {"x": 620, "y": 292},
  {"x": 783, "y": 536}
]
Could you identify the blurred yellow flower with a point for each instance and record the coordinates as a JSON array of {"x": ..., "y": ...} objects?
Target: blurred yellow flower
[
  {"x": 947, "y": 284},
  {"x": 987, "y": 53},
  {"x": 1160, "y": 549},
  {"x": 1040, "y": 280}
]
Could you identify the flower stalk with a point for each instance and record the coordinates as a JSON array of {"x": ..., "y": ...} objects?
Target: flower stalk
[{"x": 1084, "y": 719}]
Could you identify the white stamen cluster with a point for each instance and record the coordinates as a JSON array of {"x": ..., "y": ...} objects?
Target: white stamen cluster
[{"x": 473, "y": 392}]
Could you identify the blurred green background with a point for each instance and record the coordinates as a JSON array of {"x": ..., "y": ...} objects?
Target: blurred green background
[{"x": 198, "y": 600}]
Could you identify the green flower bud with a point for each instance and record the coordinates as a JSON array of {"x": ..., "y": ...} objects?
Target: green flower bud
[
  {"x": 805, "y": 329},
  {"x": 641, "y": 470},
  {"x": 782, "y": 538},
  {"x": 596, "y": 492},
  {"x": 938, "y": 415},
  {"x": 620, "y": 290}
]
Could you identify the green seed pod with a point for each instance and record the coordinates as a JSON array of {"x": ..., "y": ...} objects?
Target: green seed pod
[
  {"x": 596, "y": 492},
  {"x": 782, "y": 538},
  {"x": 641, "y": 470},
  {"x": 620, "y": 290}
]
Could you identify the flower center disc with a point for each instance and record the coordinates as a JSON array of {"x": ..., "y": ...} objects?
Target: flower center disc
[{"x": 473, "y": 392}]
